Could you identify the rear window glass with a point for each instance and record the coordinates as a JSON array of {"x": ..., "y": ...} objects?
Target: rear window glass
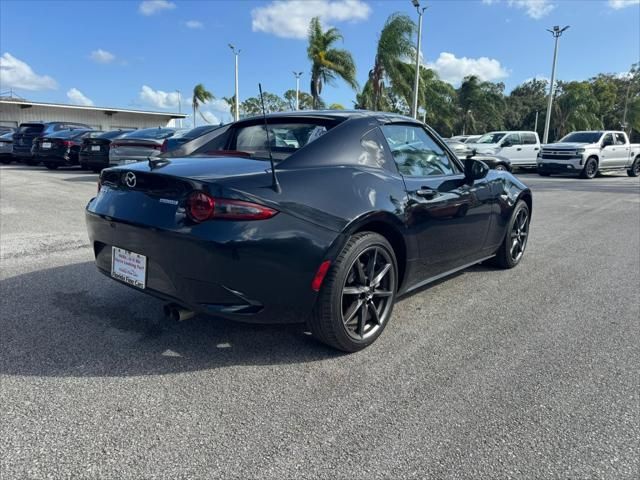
[
  {"x": 67, "y": 134},
  {"x": 114, "y": 134},
  {"x": 7, "y": 136},
  {"x": 152, "y": 133},
  {"x": 31, "y": 128},
  {"x": 197, "y": 132},
  {"x": 284, "y": 139}
]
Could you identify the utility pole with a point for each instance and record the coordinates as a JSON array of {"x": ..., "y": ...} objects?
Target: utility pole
[
  {"x": 236, "y": 113},
  {"x": 535, "y": 128},
  {"x": 298, "y": 75},
  {"x": 416, "y": 83},
  {"x": 179, "y": 105},
  {"x": 557, "y": 33}
]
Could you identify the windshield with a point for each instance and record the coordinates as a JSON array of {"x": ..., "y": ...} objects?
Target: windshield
[
  {"x": 151, "y": 133},
  {"x": 582, "y": 137},
  {"x": 31, "y": 128},
  {"x": 493, "y": 137}
]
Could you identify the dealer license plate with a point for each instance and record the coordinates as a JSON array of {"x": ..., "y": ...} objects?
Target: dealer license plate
[
  {"x": 46, "y": 145},
  {"x": 95, "y": 148},
  {"x": 129, "y": 267}
]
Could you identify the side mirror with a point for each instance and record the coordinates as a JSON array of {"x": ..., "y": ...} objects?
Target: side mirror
[{"x": 475, "y": 170}]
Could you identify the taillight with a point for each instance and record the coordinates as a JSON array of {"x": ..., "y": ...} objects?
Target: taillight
[
  {"x": 201, "y": 207},
  {"x": 164, "y": 147},
  {"x": 67, "y": 143}
]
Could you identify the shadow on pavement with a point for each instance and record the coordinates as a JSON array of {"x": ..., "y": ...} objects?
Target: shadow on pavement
[{"x": 72, "y": 321}]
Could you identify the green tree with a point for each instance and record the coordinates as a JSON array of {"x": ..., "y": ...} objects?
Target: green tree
[
  {"x": 395, "y": 46},
  {"x": 574, "y": 108},
  {"x": 200, "y": 96},
  {"x": 305, "y": 100},
  {"x": 327, "y": 62},
  {"x": 482, "y": 105},
  {"x": 336, "y": 106},
  {"x": 522, "y": 104},
  {"x": 272, "y": 103}
]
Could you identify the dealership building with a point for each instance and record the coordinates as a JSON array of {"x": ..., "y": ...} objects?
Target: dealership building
[{"x": 14, "y": 111}]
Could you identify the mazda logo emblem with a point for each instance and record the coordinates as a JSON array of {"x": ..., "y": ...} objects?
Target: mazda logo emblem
[{"x": 130, "y": 179}]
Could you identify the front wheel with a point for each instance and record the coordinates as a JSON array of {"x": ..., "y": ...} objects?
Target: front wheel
[
  {"x": 515, "y": 240},
  {"x": 590, "y": 168},
  {"x": 358, "y": 294},
  {"x": 634, "y": 170}
]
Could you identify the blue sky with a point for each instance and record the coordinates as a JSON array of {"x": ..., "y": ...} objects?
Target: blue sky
[{"x": 135, "y": 54}]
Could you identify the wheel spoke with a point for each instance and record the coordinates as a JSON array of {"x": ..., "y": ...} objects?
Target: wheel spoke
[
  {"x": 360, "y": 270},
  {"x": 382, "y": 293},
  {"x": 362, "y": 319},
  {"x": 352, "y": 311},
  {"x": 513, "y": 247},
  {"x": 374, "y": 313},
  {"x": 354, "y": 290},
  {"x": 372, "y": 264},
  {"x": 378, "y": 278}
]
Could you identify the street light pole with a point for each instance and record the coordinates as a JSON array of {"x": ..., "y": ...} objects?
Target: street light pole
[
  {"x": 298, "y": 75},
  {"x": 414, "y": 109},
  {"x": 236, "y": 107},
  {"x": 179, "y": 105},
  {"x": 556, "y": 32}
]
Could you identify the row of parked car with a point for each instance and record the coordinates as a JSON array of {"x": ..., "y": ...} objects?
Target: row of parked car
[
  {"x": 585, "y": 153},
  {"x": 56, "y": 144}
]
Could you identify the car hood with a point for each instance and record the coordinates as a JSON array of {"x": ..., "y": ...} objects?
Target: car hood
[{"x": 566, "y": 145}]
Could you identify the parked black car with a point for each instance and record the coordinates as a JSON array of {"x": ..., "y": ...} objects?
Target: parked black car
[
  {"x": 28, "y": 132},
  {"x": 6, "y": 148},
  {"x": 60, "y": 148},
  {"x": 361, "y": 207},
  {"x": 94, "y": 152},
  {"x": 183, "y": 136}
]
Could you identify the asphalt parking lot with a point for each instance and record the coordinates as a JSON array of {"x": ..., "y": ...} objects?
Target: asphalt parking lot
[{"x": 527, "y": 373}]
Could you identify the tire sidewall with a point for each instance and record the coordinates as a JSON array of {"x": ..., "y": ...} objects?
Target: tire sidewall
[{"x": 521, "y": 205}]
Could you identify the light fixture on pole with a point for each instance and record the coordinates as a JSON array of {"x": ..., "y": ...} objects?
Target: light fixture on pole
[
  {"x": 298, "y": 75},
  {"x": 557, "y": 33},
  {"x": 414, "y": 109},
  {"x": 236, "y": 107}
]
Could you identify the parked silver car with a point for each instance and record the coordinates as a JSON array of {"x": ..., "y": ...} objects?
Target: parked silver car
[
  {"x": 6, "y": 148},
  {"x": 139, "y": 145}
]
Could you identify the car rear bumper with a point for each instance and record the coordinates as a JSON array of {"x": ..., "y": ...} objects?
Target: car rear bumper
[
  {"x": 264, "y": 279},
  {"x": 53, "y": 158},
  {"x": 94, "y": 161}
]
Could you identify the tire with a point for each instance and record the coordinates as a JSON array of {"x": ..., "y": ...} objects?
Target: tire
[
  {"x": 500, "y": 168},
  {"x": 634, "y": 171},
  {"x": 505, "y": 257},
  {"x": 590, "y": 169},
  {"x": 51, "y": 166},
  {"x": 348, "y": 291}
]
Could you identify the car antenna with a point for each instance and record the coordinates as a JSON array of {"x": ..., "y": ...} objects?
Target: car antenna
[{"x": 274, "y": 179}]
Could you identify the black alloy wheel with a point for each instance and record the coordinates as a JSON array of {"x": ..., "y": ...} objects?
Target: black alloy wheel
[
  {"x": 516, "y": 238},
  {"x": 357, "y": 296}
]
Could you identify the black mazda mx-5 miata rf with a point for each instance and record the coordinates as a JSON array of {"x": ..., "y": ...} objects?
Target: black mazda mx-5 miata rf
[{"x": 360, "y": 208}]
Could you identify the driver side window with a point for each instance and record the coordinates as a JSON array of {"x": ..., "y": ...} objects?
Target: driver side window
[
  {"x": 417, "y": 154},
  {"x": 607, "y": 140}
]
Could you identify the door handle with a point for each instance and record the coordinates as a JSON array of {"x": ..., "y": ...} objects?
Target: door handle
[
  {"x": 536, "y": 148},
  {"x": 427, "y": 192},
  {"x": 518, "y": 149}
]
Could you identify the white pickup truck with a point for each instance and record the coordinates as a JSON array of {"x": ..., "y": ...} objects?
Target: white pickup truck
[
  {"x": 587, "y": 153},
  {"x": 520, "y": 147}
]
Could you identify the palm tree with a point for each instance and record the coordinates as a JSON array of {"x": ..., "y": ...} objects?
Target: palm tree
[
  {"x": 200, "y": 96},
  {"x": 328, "y": 62},
  {"x": 394, "y": 49}
]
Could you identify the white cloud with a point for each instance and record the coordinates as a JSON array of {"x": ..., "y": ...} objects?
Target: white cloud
[
  {"x": 79, "y": 98},
  {"x": 102, "y": 56},
  {"x": 618, "y": 4},
  {"x": 453, "y": 69},
  {"x": 195, "y": 24},
  {"x": 15, "y": 73},
  {"x": 534, "y": 8},
  {"x": 290, "y": 19},
  {"x": 151, "y": 7},
  {"x": 158, "y": 98}
]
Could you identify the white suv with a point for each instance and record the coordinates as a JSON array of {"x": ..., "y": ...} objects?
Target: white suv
[{"x": 520, "y": 147}]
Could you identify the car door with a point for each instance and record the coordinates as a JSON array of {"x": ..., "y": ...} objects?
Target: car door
[
  {"x": 607, "y": 151},
  {"x": 448, "y": 217},
  {"x": 529, "y": 147},
  {"x": 621, "y": 153},
  {"x": 511, "y": 147}
]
